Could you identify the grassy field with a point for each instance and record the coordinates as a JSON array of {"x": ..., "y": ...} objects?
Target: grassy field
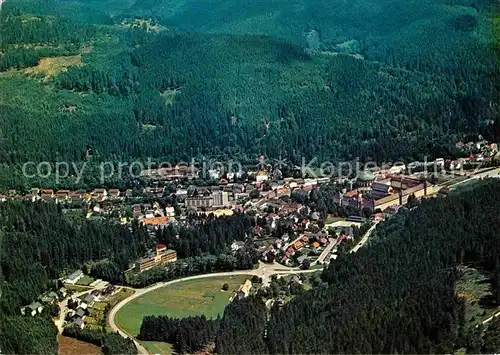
[
  {"x": 157, "y": 347},
  {"x": 85, "y": 280},
  {"x": 99, "y": 306},
  {"x": 52, "y": 66},
  {"x": 333, "y": 219},
  {"x": 179, "y": 300},
  {"x": 474, "y": 286}
]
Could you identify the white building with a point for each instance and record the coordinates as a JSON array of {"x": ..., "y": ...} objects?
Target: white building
[
  {"x": 33, "y": 309},
  {"x": 220, "y": 198},
  {"x": 74, "y": 277},
  {"x": 261, "y": 176},
  {"x": 169, "y": 211}
]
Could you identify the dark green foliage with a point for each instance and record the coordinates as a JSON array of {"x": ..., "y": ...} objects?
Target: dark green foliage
[
  {"x": 115, "y": 344},
  {"x": 39, "y": 242},
  {"x": 27, "y": 335},
  {"x": 188, "y": 335},
  {"x": 171, "y": 95},
  {"x": 398, "y": 293},
  {"x": 242, "y": 328},
  {"x": 208, "y": 235},
  {"x": 107, "y": 270},
  {"x": 111, "y": 343}
]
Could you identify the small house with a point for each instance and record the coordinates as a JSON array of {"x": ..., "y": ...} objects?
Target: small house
[
  {"x": 74, "y": 277},
  {"x": 78, "y": 322},
  {"x": 244, "y": 290},
  {"x": 63, "y": 292},
  {"x": 80, "y": 312},
  {"x": 89, "y": 299},
  {"x": 35, "y": 308}
]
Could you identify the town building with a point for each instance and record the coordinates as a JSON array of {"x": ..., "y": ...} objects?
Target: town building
[
  {"x": 162, "y": 256},
  {"x": 78, "y": 322},
  {"x": 154, "y": 221},
  {"x": 170, "y": 173},
  {"x": 170, "y": 211},
  {"x": 220, "y": 198},
  {"x": 99, "y": 194},
  {"x": 244, "y": 290},
  {"x": 114, "y": 193},
  {"x": 74, "y": 277},
  {"x": 63, "y": 292},
  {"x": 364, "y": 180},
  {"x": 62, "y": 194},
  {"x": 381, "y": 188},
  {"x": 33, "y": 309},
  {"x": 199, "y": 201}
]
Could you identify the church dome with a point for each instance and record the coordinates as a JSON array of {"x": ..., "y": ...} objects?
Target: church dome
[{"x": 365, "y": 175}]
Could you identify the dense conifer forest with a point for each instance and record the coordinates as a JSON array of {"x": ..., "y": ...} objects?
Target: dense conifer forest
[
  {"x": 397, "y": 295},
  {"x": 234, "y": 79},
  {"x": 239, "y": 80},
  {"x": 188, "y": 335},
  {"x": 39, "y": 244}
]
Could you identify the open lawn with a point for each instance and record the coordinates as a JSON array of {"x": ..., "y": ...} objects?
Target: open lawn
[
  {"x": 180, "y": 300},
  {"x": 99, "y": 306},
  {"x": 85, "y": 280},
  {"x": 157, "y": 347},
  {"x": 474, "y": 286}
]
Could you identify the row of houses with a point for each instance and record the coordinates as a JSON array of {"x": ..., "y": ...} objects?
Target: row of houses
[
  {"x": 79, "y": 307},
  {"x": 49, "y": 298}
]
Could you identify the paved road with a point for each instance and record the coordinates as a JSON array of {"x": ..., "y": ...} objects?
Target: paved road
[
  {"x": 328, "y": 249},
  {"x": 63, "y": 305},
  {"x": 364, "y": 239},
  {"x": 265, "y": 271},
  {"x": 63, "y": 309},
  {"x": 491, "y": 318}
]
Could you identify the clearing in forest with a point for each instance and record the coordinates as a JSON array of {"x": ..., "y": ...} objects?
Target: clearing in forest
[{"x": 51, "y": 66}]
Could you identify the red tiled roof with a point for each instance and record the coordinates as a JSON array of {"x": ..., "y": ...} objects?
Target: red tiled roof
[
  {"x": 154, "y": 221},
  {"x": 352, "y": 193}
]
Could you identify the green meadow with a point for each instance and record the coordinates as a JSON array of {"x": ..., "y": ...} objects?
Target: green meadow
[{"x": 189, "y": 298}]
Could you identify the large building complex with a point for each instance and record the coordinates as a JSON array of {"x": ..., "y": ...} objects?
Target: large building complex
[
  {"x": 216, "y": 199},
  {"x": 160, "y": 256}
]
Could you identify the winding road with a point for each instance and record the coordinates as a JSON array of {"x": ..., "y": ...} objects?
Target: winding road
[{"x": 264, "y": 271}]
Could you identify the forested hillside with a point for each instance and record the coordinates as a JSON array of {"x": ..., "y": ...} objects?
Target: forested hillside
[
  {"x": 397, "y": 295},
  {"x": 179, "y": 79},
  {"x": 38, "y": 244}
]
